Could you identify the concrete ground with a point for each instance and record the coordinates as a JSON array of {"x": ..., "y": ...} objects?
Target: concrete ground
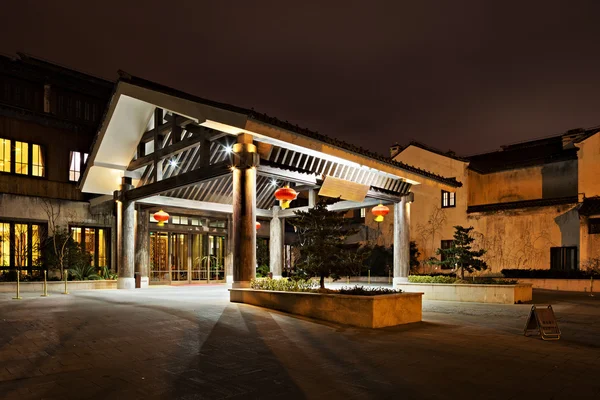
[{"x": 191, "y": 343}]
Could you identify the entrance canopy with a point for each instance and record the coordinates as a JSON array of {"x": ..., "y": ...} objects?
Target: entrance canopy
[{"x": 177, "y": 150}]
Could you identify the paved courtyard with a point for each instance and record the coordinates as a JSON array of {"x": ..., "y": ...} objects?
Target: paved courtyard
[{"x": 191, "y": 343}]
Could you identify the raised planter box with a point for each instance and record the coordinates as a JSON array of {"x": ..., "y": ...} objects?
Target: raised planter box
[
  {"x": 569, "y": 285},
  {"x": 57, "y": 286},
  {"x": 361, "y": 311},
  {"x": 502, "y": 294}
]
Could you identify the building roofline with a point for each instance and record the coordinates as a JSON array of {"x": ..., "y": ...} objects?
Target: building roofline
[
  {"x": 264, "y": 118},
  {"x": 420, "y": 145},
  {"x": 513, "y": 205}
]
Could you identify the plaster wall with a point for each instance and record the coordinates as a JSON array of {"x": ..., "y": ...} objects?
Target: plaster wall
[
  {"x": 589, "y": 166},
  {"x": 522, "y": 238},
  {"x": 430, "y": 223},
  {"x": 538, "y": 182}
]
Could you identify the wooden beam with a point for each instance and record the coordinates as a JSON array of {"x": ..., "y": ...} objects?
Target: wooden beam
[
  {"x": 171, "y": 150},
  {"x": 178, "y": 181},
  {"x": 197, "y": 205},
  {"x": 280, "y": 173},
  {"x": 339, "y": 206}
]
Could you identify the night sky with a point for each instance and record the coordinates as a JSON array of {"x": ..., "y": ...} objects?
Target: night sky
[{"x": 461, "y": 75}]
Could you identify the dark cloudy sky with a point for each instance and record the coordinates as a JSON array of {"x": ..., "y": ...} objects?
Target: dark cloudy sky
[{"x": 461, "y": 75}]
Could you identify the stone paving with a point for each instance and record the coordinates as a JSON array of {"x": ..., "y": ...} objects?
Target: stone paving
[{"x": 191, "y": 343}]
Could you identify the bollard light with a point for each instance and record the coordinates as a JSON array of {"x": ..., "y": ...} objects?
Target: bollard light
[
  {"x": 66, "y": 274},
  {"x": 45, "y": 293},
  {"x": 18, "y": 296}
]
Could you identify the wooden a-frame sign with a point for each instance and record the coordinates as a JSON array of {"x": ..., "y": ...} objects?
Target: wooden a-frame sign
[{"x": 541, "y": 321}]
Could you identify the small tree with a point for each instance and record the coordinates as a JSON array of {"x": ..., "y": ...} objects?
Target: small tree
[
  {"x": 58, "y": 236},
  {"x": 460, "y": 255},
  {"x": 321, "y": 237}
]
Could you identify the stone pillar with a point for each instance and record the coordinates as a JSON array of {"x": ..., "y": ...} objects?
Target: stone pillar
[
  {"x": 401, "y": 240},
  {"x": 127, "y": 225},
  {"x": 245, "y": 160},
  {"x": 312, "y": 197},
  {"x": 142, "y": 246},
  {"x": 276, "y": 244}
]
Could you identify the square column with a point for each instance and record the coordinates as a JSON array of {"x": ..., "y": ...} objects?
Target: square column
[
  {"x": 243, "y": 237},
  {"x": 402, "y": 240},
  {"x": 276, "y": 244}
]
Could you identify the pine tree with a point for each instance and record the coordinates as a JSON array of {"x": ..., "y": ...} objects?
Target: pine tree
[
  {"x": 460, "y": 255},
  {"x": 321, "y": 237}
]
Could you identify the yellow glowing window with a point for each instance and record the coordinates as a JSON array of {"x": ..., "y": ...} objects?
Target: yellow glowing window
[
  {"x": 4, "y": 244},
  {"x": 102, "y": 257},
  {"x": 76, "y": 234},
  {"x": 36, "y": 243},
  {"x": 37, "y": 160},
  {"x": 21, "y": 158},
  {"x": 4, "y": 155},
  {"x": 21, "y": 247}
]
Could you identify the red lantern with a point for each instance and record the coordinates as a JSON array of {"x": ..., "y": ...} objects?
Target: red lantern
[
  {"x": 161, "y": 217},
  {"x": 379, "y": 212},
  {"x": 257, "y": 225},
  {"x": 285, "y": 195}
]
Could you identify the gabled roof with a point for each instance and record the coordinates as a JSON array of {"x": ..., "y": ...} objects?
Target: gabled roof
[
  {"x": 533, "y": 152},
  {"x": 251, "y": 114},
  {"x": 449, "y": 154}
]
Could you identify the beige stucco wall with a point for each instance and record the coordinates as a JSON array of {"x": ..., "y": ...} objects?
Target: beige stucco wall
[
  {"x": 538, "y": 182},
  {"x": 522, "y": 238},
  {"x": 589, "y": 166},
  {"x": 430, "y": 224}
]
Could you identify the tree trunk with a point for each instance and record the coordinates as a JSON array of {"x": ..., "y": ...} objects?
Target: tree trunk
[
  {"x": 322, "y": 281},
  {"x": 462, "y": 273}
]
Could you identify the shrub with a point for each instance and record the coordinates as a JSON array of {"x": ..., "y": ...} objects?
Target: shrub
[
  {"x": 367, "y": 291},
  {"x": 83, "y": 272},
  {"x": 284, "y": 285},
  {"x": 106, "y": 273},
  {"x": 262, "y": 271},
  {"x": 549, "y": 274},
  {"x": 431, "y": 279}
]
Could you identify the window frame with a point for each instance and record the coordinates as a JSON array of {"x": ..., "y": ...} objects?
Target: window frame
[
  {"x": 594, "y": 222},
  {"x": 83, "y": 156},
  {"x": 107, "y": 240},
  {"x": 453, "y": 198},
  {"x": 30, "y": 166},
  {"x": 563, "y": 256},
  {"x": 42, "y": 235}
]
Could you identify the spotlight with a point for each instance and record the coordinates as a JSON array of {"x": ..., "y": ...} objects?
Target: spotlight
[
  {"x": 274, "y": 182},
  {"x": 228, "y": 149},
  {"x": 173, "y": 163}
]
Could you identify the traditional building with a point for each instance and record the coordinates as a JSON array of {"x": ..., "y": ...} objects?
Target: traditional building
[
  {"x": 48, "y": 118},
  {"x": 102, "y": 160},
  {"x": 533, "y": 204}
]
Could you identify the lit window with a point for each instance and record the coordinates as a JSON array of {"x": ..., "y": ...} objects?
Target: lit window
[
  {"x": 363, "y": 212},
  {"x": 195, "y": 222},
  {"x": 95, "y": 242},
  {"x": 21, "y": 158},
  {"x": 4, "y": 155},
  {"x": 21, "y": 245},
  {"x": 184, "y": 221},
  {"x": 448, "y": 199},
  {"x": 37, "y": 162},
  {"x": 76, "y": 165},
  {"x": 4, "y": 244}
]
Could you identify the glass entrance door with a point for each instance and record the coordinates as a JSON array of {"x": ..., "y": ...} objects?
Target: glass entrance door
[
  {"x": 179, "y": 257},
  {"x": 196, "y": 272},
  {"x": 159, "y": 253},
  {"x": 216, "y": 250}
]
